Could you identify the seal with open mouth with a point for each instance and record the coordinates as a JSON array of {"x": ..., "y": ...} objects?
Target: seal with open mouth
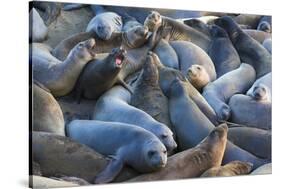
[{"x": 100, "y": 75}]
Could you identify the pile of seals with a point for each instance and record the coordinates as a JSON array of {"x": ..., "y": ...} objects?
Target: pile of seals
[{"x": 139, "y": 96}]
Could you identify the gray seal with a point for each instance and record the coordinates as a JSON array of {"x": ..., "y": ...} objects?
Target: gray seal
[
  {"x": 104, "y": 24},
  {"x": 192, "y": 162},
  {"x": 47, "y": 115},
  {"x": 256, "y": 141},
  {"x": 251, "y": 112},
  {"x": 60, "y": 76},
  {"x": 38, "y": 31},
  {"x": 265, "y": 24},
  {"x": 114, "y": 106},
  {"x": 233, "y": 168},
  {"x": 125, "y": 144},
  {"x": 222, "y": 52},
  {"x": 99, "y": 75},
  {"x": 258, "y": 35},
  {"x": 249, "y": 50},
  {"x": 221, "y": 90}
]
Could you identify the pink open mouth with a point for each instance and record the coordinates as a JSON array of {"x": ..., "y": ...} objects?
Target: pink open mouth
[{"x": 118, "y": 61}]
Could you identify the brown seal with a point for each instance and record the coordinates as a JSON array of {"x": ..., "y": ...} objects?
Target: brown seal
[
  {"x": 192, "y": 162},
  {"x": 233, "y": 168}
]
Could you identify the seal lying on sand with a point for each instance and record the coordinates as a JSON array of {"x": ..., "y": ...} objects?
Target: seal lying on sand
[
  {"x": 60, "y": 77},
  {"x": 192, "y": 162},
  {"x": 124, "y": 143}
]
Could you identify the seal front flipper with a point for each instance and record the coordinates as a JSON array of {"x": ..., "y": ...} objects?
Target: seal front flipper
[
  {"x": 110, "y": 172},
  {"x": 125, "y": 85}
]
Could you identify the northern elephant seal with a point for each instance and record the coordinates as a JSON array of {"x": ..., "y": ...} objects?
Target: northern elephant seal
[
  {"x": 222, "y": 52},
  {"x": 192, "y": 125},
  {"x": 258, "y": 35},
  {"x": 233, "y": 168},
  {"x": 177, "y": 30},
  {"x": 198, "y": 76},
  {"x": 265, "y": 24},
  {"x": 147, "y": 94},
  {"x": 125, "y": 144},
  {"x": 192, "y": 162},
  {"x": 221, "y": 90},
  {"x": 248, "y": 111},
  {"x": 60, "y": 76},
  {"x": 49, "y": 10},
  {"x": 256, "y": 141},
  {"x": 104, "y": 24},
  {"x": 268, "y": 45},
  {"x": 248, "y": 20},
  {"x": 190, "y": 54},
  {"x": 47, "y": 115},
  {"x": 38, "y": 31},
  {"x": 249, "y": 50},
  {"x": 99, "y": 75},
  {"x": 262, "y": 88},
  {"x": 114, "y": 106}
]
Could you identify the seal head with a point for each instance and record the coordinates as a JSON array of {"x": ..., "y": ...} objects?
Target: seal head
[
  {"x": 153, "y": 21},
  {"x": 198, "y": 76}
]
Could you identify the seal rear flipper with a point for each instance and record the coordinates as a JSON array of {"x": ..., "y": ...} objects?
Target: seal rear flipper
[
  {"x": 110, "y": 172},
  {"x": 125, "y": 85}
]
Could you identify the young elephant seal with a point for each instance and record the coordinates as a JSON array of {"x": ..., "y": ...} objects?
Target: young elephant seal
[
  {"x": 249, "y": 50},
  {"x": 125, "y": 144},
  {"x": 38, "y": 31},
  {"x": 104, "y": 24},
  {"x": 222, "y": 52},
  {"x": 114, "y": 106},
  {"x": 193, "y": 162},
  {"x": 220, "y": 91},
  {"x": 177, "y": 30},
  {"x": 47, "y": 115},
  {"x": 100, "y": 75},
  {"x": 198, "y": 76},
  {"x": 233, "y": 168},
  {"x": 60, "y": 76}
]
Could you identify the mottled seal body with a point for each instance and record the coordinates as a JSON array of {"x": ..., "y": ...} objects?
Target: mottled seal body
[
  {"x": 167, "y": 54},
  {"x": 100, "y": 75},
  {"x": 60, "y": 77},
  {"x": 104, "y": 24},
  {"x": 222, "y": 52},
  {"x": 219, "y": 92},
  {"x": 177, "y": 30},
  {"x": 233, "y": 168},
  {"x": 114, "y": 106},
  {"x": 249, "y": 50},
  {"x": 265, "y": 85},
  {"x": 38, "y": 30},
  {"x": 192, "y": 162},
  {"x": 147, "y": 94},
  {"x": 126, "y": 144},
  {"x": 247, "y": 111},
  {"x": 190, "y": 54},
  {"x": 192, "y": 125},
  {"x": 255, "y": 141},
  {"x": 47, "y": 114}
]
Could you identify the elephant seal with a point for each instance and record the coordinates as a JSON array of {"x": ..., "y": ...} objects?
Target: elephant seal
[
  {"x": 104, "y": 24},
  {"x": 47, "y": 115},
  {"x": 248, "y": 20},
  {"x": 190, "y": 54},
  {"x": 262, "y": 88},
  {"x": 166, "y": 54},
  {"x": 167, "y": 75},
  {"x": 60, "y": 77},
  {"x": 258, "y": 35},
  {"x": 248, "y": 111},
  {"x": 38, "y": 31},
  {"x": 126, "y": 144},
  {"x": 198, "y": 24},
  {"x": 49, "y": 10},
  {"x": 133, "y": 38},
  {"x": 233, "y": 168},
  {"x": 192, "y": 162},
  {"x": 262, "y": 170},
  {"x": 265, "y": 24},
  {"x": 198, "y": 76},
  {"x": 256, "y": 141},
  {"x": 249, "y": 50},
  {"x": 100, "y": 75},
  {"x": 177, "y": 30},
  {"x": 192, "y": 125},
  {"x": 114, "y": 106},
  {"x": 267, "y": 44},
  {"x": 222, "y": 52},
  {"x": 220, "y": 91},
  {"x": 147, "y": 94}
]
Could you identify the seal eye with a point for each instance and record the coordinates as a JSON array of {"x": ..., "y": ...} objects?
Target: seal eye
[
  {"x": 80, "y": 45},
  {"x": 164, "y": 136},
  {"x": 165, "y": 151},
  {"x": 151, "y": 153},
  {"x": 198, "y": 68}
]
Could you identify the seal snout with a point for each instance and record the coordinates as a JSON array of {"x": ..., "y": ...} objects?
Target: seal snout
[
  {"x": 224, "y": 112},
  {"x": 120, "y": 56}
]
